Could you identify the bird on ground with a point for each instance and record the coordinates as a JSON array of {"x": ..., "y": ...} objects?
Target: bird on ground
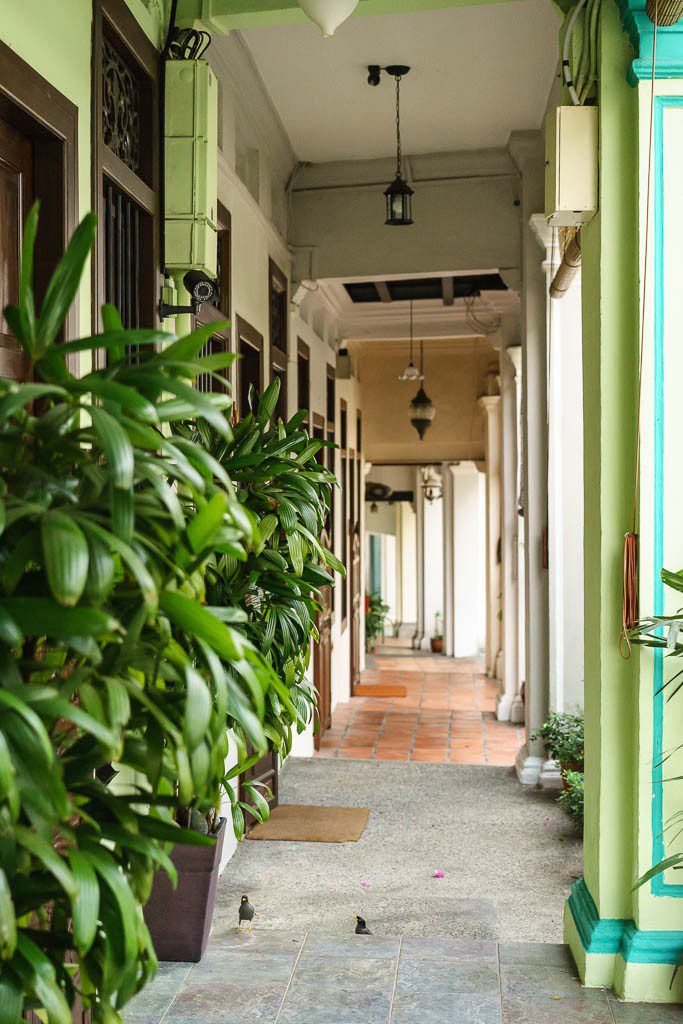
[
  {"x": 245, "y": 913},
  {"x": 361, "y": 926}
]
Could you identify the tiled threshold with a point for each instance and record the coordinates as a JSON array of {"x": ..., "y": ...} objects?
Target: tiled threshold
[{"x": 273, "y": 977}]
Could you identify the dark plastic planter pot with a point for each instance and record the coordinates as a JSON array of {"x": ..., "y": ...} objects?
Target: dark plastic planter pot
[{"x": 179, "y": 920}]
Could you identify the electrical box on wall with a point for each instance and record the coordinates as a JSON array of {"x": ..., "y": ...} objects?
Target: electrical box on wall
[
  {"x": 571, "y": 166},
  {"x": 191, "y": 180}
]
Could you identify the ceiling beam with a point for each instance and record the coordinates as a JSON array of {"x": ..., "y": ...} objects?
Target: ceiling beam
[
  {"x": 223, "y": 15},
  {"x": 383, "y": 291},
  {"x": 447, "y": 290}
]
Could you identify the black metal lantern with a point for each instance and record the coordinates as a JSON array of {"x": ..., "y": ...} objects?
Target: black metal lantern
[
  {"x": 398, "y": 197},
  {"x": 399, "y": 194},
  {"x": 422, "y": 411}
]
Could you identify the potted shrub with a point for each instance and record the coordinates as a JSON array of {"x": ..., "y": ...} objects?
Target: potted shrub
[
  {"x": 106, "y": 526},
  {"x": 436, "y": 641},
  {"x": 268, "y": 586},
  {"x": 563, "y": 738},
  {"x": 375, "y": 617},
  {"x": 571, "y": 798}
]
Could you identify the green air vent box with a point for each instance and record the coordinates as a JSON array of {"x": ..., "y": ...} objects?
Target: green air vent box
[{"x": 191, "y": 141}]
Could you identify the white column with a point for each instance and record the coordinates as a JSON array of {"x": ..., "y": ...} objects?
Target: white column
[
  {"x": 433, "y": 568},
  {"x": 491, "y": 406},
  {"x": 527, "y": 151},
  {"x": 420, "y": 566},
  {"x": 469, "y": 567},
  {"x": 448, "y": 561},
  {"x": 509, "y": 689},
  {"x": 517, "y": 708}
]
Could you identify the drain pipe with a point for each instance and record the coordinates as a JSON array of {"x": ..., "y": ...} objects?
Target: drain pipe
[{"x": 568, "y": 268}]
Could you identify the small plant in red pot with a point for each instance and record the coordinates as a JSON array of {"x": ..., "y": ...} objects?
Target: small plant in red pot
[{"x": 436, "y": 642}]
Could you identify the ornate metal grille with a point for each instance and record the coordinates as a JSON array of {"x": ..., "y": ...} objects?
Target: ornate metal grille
[{"x": 120, "y": 107}]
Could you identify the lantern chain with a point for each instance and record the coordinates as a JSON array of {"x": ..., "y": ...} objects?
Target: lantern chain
[{"x": 399, "y": 161}]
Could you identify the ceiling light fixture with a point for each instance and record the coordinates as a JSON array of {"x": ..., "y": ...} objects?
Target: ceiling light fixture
[
  {"x": 328, "y": 15},
  {"x": 422, "y": 411},
  {"x": 399, "y": 194},
  {"x": 431, "y": 484},
  {"x": 411, "y": 371}
]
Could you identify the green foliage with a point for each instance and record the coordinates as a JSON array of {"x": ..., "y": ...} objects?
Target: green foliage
[
  {"x": 571, "y": 797},
  {"x": 563, "y": 738},
  {"x": 275, "y": 578},
  {"x": 375, "y": 616},
  {"x": 665, "y": 632},
  {"x": 108, "y": 652}
]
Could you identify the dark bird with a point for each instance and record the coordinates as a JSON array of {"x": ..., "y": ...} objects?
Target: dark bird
[
  {"x": 361, "y": 927},
  {"x": 246, "y": 913}
]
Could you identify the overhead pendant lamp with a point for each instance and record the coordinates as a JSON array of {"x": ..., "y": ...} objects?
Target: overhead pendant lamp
[
  {"x": 399, "y": 194},
  {"x": 422, "y": 411},
  {"x": 411, "y": 371},
  {"x": 328, "y": 15}
]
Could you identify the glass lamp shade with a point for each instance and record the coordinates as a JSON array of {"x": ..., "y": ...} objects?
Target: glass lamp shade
[
  {"x": 328, "y": 15},
  {"x": 399, "y": 203},
  {"x": 422, "y": 412},
  {"x": 411, "y": 373}
]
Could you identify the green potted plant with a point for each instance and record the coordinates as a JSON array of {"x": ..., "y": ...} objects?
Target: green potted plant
[
  {"x": 663, "y": 633},
  {"x": 571, "y": 797},
  {"x": 436, "y": 641},
  {"x": 106, "y": 525},
  {"x": 376, "y": 610},
  {"x": 563, "y": 738}
]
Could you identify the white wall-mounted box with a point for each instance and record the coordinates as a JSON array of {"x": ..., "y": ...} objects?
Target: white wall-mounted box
[{"x": 571, "y": 166}]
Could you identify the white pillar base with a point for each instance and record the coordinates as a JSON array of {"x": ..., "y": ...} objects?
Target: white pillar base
[
  {"x": 504, "y": 707},
  {"x": 528, "y": 767},
  {"x": 551, "y": 775},
  {"x": 517, "y": 710}
]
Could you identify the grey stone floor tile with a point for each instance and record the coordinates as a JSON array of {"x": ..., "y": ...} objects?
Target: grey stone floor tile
[
  {"x": 275, "y": 943},
  {"x": 534, "y": 994},
  {"x": 446, "y": 992},
  {"x": 150, "y": 1005},
  {"x": 434, "y": 948},
  {"x": 376, "y": 947},
  {"x": 550, "y": 954},
  {"x": 645, "y": 1013},
  {"x": 339, "y": 990},
  {"x": 232, "y": 990}
]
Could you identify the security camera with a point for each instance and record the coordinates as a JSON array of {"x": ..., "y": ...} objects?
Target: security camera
[
  {"x": 373, "y": 74},
  {"x": 200, "y": 286}
]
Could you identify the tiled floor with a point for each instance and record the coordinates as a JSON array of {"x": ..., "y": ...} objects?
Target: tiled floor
[
  {"x": 275, "y": 977},
  {"x": 447, "y": 717}
]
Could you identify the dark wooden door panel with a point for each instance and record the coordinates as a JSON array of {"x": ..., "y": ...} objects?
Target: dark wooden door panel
[{"x": 16, "y": 197}]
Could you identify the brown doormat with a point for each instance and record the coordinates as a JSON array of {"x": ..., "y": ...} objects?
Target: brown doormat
[
  {"x": 301, "y": 823},
  {"x": 380, "y": 690}
]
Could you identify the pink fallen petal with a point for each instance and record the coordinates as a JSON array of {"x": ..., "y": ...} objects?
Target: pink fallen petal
[
  {"x": 439, "y": 874},
  {"x": 365, "y": 885}
]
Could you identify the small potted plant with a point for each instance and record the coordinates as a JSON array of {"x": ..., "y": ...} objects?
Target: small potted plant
[
  {"x": 375, "y": 616},
  {"x": 437, "y": 639}
]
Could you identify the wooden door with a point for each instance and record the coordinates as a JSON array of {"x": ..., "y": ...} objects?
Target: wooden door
[
  {"x": 354, "y": 547},
  {"x": 265, "y": 771},
  {"x": 322, "y": 654},
  {"x": 322, "y": 659},
  {"x": 16, "y": 197}
]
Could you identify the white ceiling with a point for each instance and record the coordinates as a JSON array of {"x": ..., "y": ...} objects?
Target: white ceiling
[{"x": 478, "y": 73}]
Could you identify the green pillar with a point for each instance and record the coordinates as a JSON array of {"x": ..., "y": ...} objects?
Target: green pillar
[{"x": 621, "y": 938}]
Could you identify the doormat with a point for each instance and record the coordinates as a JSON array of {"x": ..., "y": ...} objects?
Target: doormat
[
  {"x": 380, "y": 690},
  {"x": 301, "y": 823}
]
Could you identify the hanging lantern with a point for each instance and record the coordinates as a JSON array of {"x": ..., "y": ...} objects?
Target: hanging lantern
[
  {"x": 399, "y": 194},
  {"x": 328, "y": 15},
  {"x": 431, "y": 485},
  {"x": 422, "y": 411},
  {"x": 411, "y": 371}
]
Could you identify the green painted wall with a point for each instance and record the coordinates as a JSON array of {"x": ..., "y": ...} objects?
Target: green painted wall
[{"x": 610, "y": 344}]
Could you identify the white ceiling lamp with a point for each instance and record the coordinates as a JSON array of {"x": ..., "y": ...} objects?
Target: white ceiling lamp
[
  {"x": 328, "y": 15},
  {"x": 411, "y": 371}
]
